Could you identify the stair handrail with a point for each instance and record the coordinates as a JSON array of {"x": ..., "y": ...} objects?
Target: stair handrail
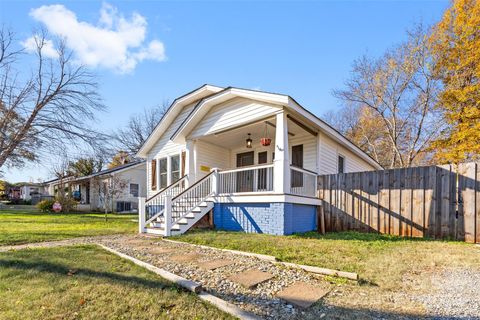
[
  {"x": 201, "y": 186},
  {"x": 160, "y": 197},
  {"x": 166, "y": 188}
]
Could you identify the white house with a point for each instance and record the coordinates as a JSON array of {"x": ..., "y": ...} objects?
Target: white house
[
  {"x": 130, "y": 183},
  {"x": 252, "y": 157},
  {"x": 26, "y": 190}
]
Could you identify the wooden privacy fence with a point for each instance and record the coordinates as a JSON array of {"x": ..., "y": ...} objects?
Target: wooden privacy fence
[{"x": 441, "y": 202}]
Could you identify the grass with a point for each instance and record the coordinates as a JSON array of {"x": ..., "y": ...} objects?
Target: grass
[
  {"x": 86, "y": 282},
  {"x": 378, "y": 259},
  {"x": 20, "y": 226}
]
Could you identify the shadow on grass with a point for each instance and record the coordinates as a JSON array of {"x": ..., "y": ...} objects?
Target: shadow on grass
[
  {"x": 62, "y": 270},
  {"x": 364, "y": 236},
  {"x": 345, "y": 235}
]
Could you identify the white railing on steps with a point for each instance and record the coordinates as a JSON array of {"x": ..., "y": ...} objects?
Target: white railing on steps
[
  {"x": 183, "y": 203},
  {"x": 155, "y": 205}
]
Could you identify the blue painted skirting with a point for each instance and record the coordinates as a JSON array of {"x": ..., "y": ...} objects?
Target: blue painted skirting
[{"x": 272, "y": 218}]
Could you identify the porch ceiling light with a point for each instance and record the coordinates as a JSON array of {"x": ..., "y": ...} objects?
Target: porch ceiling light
[{"x": 249, "y": 141}]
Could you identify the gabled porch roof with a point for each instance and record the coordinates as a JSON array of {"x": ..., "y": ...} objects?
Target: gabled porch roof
[
  {"x": 209, "y": 95},
  {"x": 307, "y": 118},
  {"x": 173, "y": 111}
]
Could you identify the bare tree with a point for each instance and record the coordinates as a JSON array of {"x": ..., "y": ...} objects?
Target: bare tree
[
  {"x": 109, "y": 189},
  {"x": 54, "y": 104},
  {"x": 139, "y": 127},
  {"x": 400, "y": 92},
  {"x": 63, "y": 193}
]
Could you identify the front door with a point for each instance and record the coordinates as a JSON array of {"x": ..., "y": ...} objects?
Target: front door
[{"x": 245, "y": 178}]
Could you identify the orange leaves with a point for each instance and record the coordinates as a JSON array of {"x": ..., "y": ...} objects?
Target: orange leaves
[{"x": 456, "y": 51}]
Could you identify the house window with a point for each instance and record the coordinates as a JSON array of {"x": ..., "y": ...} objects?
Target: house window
[
  {"x": 297, "y": 156},
  {"x": 134, "y": 189},
  {"x": 153, "y": 175},
  {"x": 175, "y": 168},
  {"x": 163, "y": 173},
  {"x": 341, "y": 164}
]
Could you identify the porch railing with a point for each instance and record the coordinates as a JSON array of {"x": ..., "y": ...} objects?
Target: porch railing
[
  {"x": 303, "y": 182},
  {"x": 246, "y": 179},
  {"x": 155, "y": 205},
  {"x": 189, "y": 199}
]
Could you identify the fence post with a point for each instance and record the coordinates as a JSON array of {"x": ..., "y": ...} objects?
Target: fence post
[
  {"x": 168, "y": 216},
  {"x": 215, "y": 181},
  {"x": 141, "y": 215}
]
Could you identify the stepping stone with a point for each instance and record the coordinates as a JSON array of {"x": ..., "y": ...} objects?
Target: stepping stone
[
  {"x": 137, "y": 242},
  {"x": 187, "y": 257},
  {"x": 157, "y": 250},
  {"x": 302, "y": 294},
  {"x": 214, "y": 264},
  {"x": 251, "y": 278}
]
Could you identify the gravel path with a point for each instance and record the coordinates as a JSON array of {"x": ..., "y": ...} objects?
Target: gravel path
[
  {"x": 261, "y": 300},
  {"x": 455, "y": 294}
]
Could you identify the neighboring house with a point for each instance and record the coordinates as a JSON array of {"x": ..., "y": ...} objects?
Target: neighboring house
[
  {"x": 253, "y": 157},
  {"x": 26, "y": 191},
  {"x": 88, "y": 190}
]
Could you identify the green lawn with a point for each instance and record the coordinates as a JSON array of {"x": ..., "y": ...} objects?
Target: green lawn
[
  {"x": 17, "y": 226},
  {"x": 379, "y": 259},
  {"x": 86, "y": 282}
]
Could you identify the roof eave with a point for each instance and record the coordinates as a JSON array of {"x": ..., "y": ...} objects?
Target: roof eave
[{"x": 180, "y": 101}]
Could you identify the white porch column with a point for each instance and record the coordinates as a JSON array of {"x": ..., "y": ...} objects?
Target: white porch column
[
  {"x": 169, "y": 171},
  {"x": 281, "y": 164},
  {"x": 141, "y": 215},
  {"x": 215, "y": 181},
  {"x": 190, "y": 162},
  {"x": 167, "y": 215}
]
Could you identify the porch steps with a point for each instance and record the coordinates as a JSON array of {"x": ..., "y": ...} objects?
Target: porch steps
[{"x": 182, "y": 225}]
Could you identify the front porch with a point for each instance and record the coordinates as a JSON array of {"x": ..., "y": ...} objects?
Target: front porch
[{"x": 249, "y": 186}]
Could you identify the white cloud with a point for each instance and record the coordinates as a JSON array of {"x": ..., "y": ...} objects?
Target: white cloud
[
  {"x": 116, "y": 43},
  {"x": 48, "y": 49}
]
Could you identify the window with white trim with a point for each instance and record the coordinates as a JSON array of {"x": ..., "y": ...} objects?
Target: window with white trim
[
  {"x": 134, "y": 187},
  {"x": 175, "y": 168},
  {"x": 163, "y": 168}
]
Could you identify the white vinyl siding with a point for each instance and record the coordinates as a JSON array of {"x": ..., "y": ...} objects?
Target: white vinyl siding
[
  {"x": 257, "y": 148},
  {"x": 329, "y": 151},
  {"x": 164, "y": 147},
  {"x": 211, "y": 156},
  {"x": 232, "y": 113},
  {"x": 309, "y": 150}
]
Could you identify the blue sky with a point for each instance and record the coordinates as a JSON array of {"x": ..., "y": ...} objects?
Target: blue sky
[{"x": 304, "y": 49}]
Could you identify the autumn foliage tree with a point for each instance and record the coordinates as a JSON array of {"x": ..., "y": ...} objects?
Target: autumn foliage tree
[
  {"x": 85, "y": 166},
  {"x": 456, "y": 53},
  {"x": 119, "y": 159}
]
